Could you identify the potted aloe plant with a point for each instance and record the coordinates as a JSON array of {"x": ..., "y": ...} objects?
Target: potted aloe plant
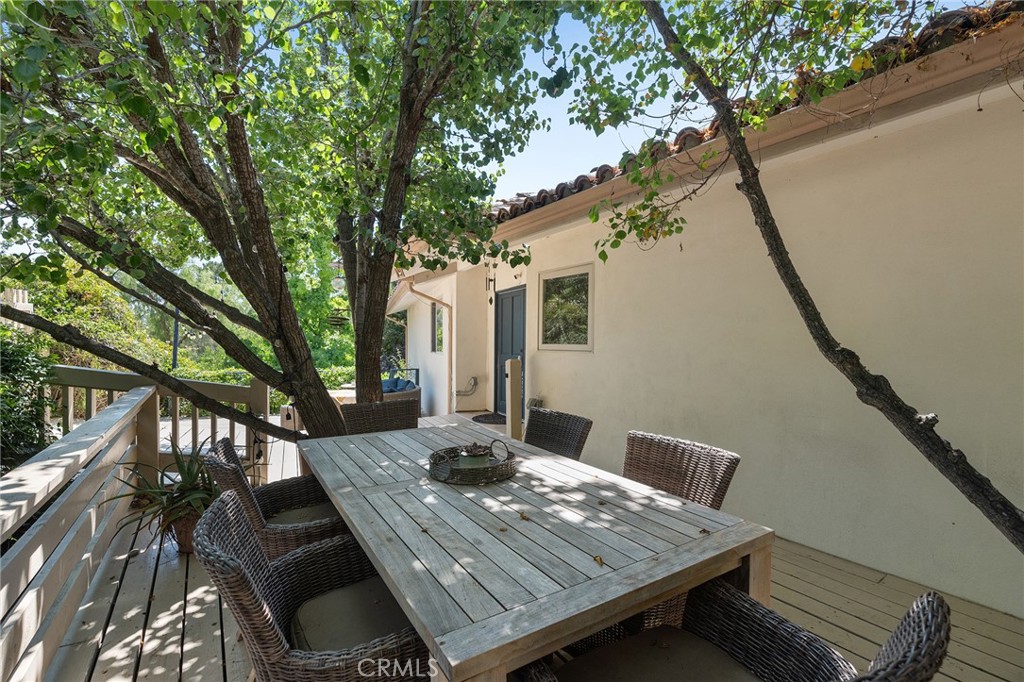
[{"x": 173, "y": 497}]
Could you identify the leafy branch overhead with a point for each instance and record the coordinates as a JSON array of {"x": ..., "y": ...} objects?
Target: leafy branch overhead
[{"x": 142, "y": 140}]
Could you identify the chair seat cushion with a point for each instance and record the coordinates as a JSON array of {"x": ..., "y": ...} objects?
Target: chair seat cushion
[
  {"x": 347, "y": 617},
  {"x": 316, "y": 512},
  {"x": 663, "y": 653}
]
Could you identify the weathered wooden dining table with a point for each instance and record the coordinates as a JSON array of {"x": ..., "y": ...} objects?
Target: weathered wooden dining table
[{"x": 495, "y": 576}]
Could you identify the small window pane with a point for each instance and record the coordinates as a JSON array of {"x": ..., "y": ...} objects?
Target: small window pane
[
  {"x": 437, "y": 328},
  {"x": 566, "y": 307}
]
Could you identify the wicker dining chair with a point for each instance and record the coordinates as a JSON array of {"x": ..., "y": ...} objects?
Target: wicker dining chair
[
  {"x": 316, "y": 614},
  {"x": 286, "y": 514},
  {"x": 390, "y": 415},
  {"x": 558, "y": 432},
  {"x": 694, "y": 471},
  {"x": 726, "y": 635}
]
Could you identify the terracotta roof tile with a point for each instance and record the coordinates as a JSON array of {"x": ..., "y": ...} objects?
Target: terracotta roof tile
[{"x": 941, "y": 32}]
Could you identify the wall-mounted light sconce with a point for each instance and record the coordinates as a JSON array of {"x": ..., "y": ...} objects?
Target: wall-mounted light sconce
[{"x": 490, "y": 280}]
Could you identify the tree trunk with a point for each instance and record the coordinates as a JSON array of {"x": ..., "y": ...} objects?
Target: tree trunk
[
  {"x": 375, "y": 285},
  {"x": 872, "y": 389},
  {"x": 320, "y": 413}
]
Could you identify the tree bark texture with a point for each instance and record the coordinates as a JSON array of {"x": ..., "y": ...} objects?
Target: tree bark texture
[
  {"x": 872, "y": 389},
  {"x": 368, "y": 280}
]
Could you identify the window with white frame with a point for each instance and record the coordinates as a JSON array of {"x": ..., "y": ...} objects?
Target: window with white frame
[
  {"x": 567, "y": 308},
  {"x": 436, "y": 328}
]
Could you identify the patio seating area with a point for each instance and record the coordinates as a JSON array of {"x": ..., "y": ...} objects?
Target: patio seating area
[{"x": 154, "y": 614}]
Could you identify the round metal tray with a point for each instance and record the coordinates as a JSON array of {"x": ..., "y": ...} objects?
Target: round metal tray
[{"x": 444, "y": 467}]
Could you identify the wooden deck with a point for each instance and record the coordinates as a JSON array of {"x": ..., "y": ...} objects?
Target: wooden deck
[{"x": 154, "y": 615}]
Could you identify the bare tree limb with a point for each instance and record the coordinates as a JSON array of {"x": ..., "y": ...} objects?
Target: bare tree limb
[
  {"x": 157, "y": 278},
  {"x": 232, "y": 345},
  {"x": 872, "y": 389},
  {"x": 180, "y": 293},
  {"x": 71, "y": 336},
  {"x": 112, "y": 281}
]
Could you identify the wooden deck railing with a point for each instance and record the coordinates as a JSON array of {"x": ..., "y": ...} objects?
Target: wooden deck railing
[
  {"x": 46, "y": 573},
  {"x": 255, "y": 398}
]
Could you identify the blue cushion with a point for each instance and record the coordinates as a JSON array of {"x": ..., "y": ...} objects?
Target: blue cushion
[
  {"x": 405, "y": 385},
  {"x": 390, "y": 385}
]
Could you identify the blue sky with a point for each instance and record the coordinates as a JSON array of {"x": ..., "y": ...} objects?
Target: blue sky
[
  {"x": 562, "y": 153},
  {"x": 566, "y": 150}
]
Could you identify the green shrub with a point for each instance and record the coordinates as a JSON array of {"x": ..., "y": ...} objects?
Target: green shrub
[
  {"x": 335, "y": 377},
  {"x": 24, "y": 372}
]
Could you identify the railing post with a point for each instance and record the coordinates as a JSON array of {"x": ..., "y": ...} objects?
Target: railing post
[
  {"x": 174, "y": 405},
  {"x": 90, "y": 403},
  {"x": 44, "y": 427},
  {"x": 67, "y": 409},
  {"x": 256, "y": 443},
  {"x": 514, "y": 398},
  {"x": 148, "y": 431}
]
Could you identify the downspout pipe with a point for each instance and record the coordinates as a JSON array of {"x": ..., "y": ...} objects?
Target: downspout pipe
[{"x": 449, "y": 338}]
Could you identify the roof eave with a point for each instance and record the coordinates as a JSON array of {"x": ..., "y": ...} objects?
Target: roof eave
[{"x": 937, "y": 77}]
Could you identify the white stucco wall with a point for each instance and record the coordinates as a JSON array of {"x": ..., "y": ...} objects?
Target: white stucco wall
[
  {"x": 471, "y": 337},
  {"x": 433, "y": 366},
  {"x": 910, "y": 236}
]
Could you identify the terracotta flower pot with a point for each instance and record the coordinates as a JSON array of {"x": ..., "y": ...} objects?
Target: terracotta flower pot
[{"x": 182, "y": 529}]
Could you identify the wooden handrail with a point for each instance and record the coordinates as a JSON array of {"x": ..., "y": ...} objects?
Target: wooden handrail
[
  {"x": 108, "y": 380},
  {"x": 47, "y": 572},
  {"x": 254, "y": 397},
  {"x": 30, "y": 485}
]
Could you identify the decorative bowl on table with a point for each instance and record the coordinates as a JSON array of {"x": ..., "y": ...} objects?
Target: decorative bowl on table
[{"x": 473, "y": 464}]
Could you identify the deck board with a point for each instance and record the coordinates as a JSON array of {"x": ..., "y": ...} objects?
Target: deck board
[
  {"x": 160, "y": 652},
  {"x": 77, "y": 656},
  {"x": 119, "y": 652},
  {"x": 852, "y": 607},
  {"x": 202, "y": 653}
]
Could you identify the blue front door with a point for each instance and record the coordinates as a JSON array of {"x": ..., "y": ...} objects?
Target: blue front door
[{"x": 509, "y": 338}]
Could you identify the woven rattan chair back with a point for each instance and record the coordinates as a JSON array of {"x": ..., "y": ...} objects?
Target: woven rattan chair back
[
  {"x": 559, "y": 432},
  {"x": 771, "y": 647},
  {"x": 915, "y": 650},
  {"x": 229, "y": 550},
  {"x": 694, "y": 471},
  {"x": 390, "y": 415},
  {"x": 777, "y": 650},
  {"x": 223, "y": 464}
]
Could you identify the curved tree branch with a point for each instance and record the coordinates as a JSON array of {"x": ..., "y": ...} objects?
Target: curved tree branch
[
  {"x": 193, "y": 188},
  {"x": 225, "y": 338},
  {"x": 185, "y": 297},
  {"x": 157, "y": 278},
  {"x": 872, "y": 389},
  {"x": 112, "y": 281},
  {"x": 71, "y": 336}
]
